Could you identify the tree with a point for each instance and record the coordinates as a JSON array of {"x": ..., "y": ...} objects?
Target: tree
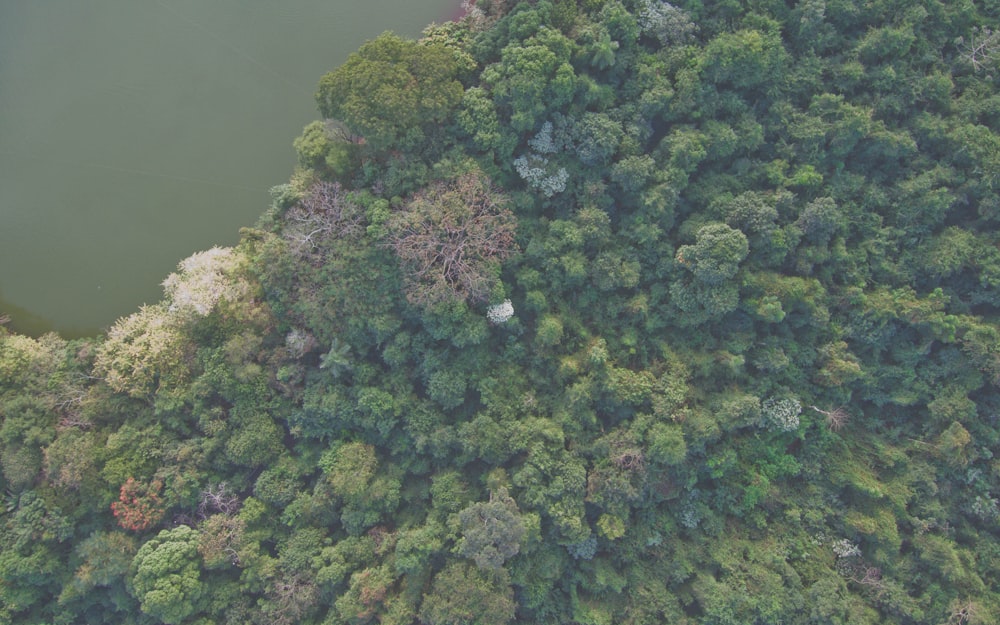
[
  {"x": 167, "y": 582},
  {"x": 415, "y": 548},
  {"x": 366, "y": 494},
  {"x": 670, "y": 25},
  {"x": 478, "y": 119},
  {"x": 204, "y": 279},
  {"x": 105, "y": 558},
  {"x": 366, "y": 595},
  {"x": 391, "y": 89},
  {"x": 466, "y": 595},
  {"x": 746, "y": 58},
  {"x": 982, "y": 48},
  {"x": 491, "y": 531},
  {"x": 323, "y": 213},
  {"x": 716, "y": 253},
  {"x": 143, "y": 351},
  {"x": 451, "y": 237},
  {"x": 139, "y": 506},
  {"x": 533, "y": 77}
]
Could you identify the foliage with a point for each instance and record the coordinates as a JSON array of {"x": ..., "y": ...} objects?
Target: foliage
[
  {"x": 139, "y": 506},
  {"x": 391, "y": 88},
  {"x": 491, "y": 531},
  {"x": 167, "y": 580},
  {"x": 751, "y": 378},
  {"x": 463, "y": 595}
]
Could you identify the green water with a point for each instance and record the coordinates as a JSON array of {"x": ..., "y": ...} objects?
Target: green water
[{"x": 136, "y": 132}]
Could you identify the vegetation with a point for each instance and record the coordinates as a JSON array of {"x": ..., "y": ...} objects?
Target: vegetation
[{"x": 574, "y": 311}]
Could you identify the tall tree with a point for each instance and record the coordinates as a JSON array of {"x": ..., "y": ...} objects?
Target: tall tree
[
  {"x": 451, "y": 238},
  {"x": 392, "y": 89}
]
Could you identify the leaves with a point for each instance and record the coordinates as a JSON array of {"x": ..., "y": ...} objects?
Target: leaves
[{"x": 390, "y": 88}]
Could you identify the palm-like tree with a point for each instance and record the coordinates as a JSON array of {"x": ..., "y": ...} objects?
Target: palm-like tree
[{"x": 336, "y": 360}]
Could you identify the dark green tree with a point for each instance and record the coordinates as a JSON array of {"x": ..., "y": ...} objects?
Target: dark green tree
[{"x": 392, "y": 89}]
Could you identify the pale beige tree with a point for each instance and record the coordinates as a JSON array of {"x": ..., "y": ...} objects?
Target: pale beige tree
[
  {"x": 206, "y": 278},
  {"x": 142, "y": 351}
]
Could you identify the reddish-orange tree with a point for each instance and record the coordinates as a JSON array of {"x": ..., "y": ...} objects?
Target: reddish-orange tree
[
  {"x": 451, "y": 238},
  {"x": 139, "y": 506}
]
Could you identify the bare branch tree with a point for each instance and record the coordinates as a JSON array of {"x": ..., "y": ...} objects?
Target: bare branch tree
[
  {"x": 221, "y": 537},
  {"x": 982, "y": 48},
  {"x": 835, "y": 419},
  {"x": 218, "y": 499},
  {"x": 324, "y": 212},
  {"x": 451, "y": 237},
  {"x": 860, "y": 572},
  {"x": 962, "y": 612},
  {"x": 69, "y": 400},
  {"x": 290, "y": 597},
  {"x": 338, "y": 130}
]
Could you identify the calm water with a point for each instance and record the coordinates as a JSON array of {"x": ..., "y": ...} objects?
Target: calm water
[{"x": 136, "y": 132}]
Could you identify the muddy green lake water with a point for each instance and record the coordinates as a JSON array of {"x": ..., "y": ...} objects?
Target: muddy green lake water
[{"x": 136, "y": 132}]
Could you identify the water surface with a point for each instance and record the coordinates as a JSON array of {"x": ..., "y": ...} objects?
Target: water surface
[{"x": 136, "y": 132}]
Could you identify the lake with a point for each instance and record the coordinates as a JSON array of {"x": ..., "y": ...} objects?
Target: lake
[{"x": 136, "y": 132}]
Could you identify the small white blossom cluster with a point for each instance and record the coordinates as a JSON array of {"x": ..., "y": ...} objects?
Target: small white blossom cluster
[
  {"x": 781, "y": 414},
  {"x": 985, "y": 508},
  {"x": 669, "y": 24},
  {"x": 473, "y": 13},
  {"x": 543, "y": 142},
  {"x": 204, "y": 279},
  {"x": 500, "y": 313},
  {"x": 299, "y": 342},
  {"x": 534, "y": 170},
  {"x": 844, "y": 548}
]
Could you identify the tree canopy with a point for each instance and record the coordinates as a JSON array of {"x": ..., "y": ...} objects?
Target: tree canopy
[{"x": 586, "y": 312}]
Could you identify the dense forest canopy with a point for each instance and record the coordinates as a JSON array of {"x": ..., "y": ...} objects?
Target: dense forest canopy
[{"x": 574, "y": 311}]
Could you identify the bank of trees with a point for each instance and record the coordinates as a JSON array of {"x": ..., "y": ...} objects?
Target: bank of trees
[{"x": 611, "y": 311}]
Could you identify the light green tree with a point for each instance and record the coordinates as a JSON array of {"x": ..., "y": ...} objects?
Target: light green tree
[
  {"x": 466, "y": 595},
  {"x": 491, "y": 531},
  {"x": 166, "y": 580}
]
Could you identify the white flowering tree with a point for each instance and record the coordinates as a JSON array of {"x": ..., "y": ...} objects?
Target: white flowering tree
[
  {"x": 204, "y": 279},
  {"x": 781, "y": 415},
  {"x": 500, "y": 313},
  {"x": 142, "y": 350},
  {"x": 536, "y": 170},
  {"x": 148, "y": 348},
  {"x": 667, "y": 23}
]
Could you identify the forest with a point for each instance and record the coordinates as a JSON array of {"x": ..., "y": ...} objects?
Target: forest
[{"x": 583, "y": 312}]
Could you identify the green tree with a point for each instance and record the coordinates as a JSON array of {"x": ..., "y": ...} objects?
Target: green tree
[
  {"x": 105, "y": 558},
  {"x": 352, "y": 473},
  {"x": 392, "y": 89},
  {"x": 716, "y": 254},
  {"x": 747, "y": 58},
  {"x": 166, "y": 579},
  {"x": 491, "y": 531},
  {"x": 463, "y": 594},
  {"x": 533, "y": 77}
]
